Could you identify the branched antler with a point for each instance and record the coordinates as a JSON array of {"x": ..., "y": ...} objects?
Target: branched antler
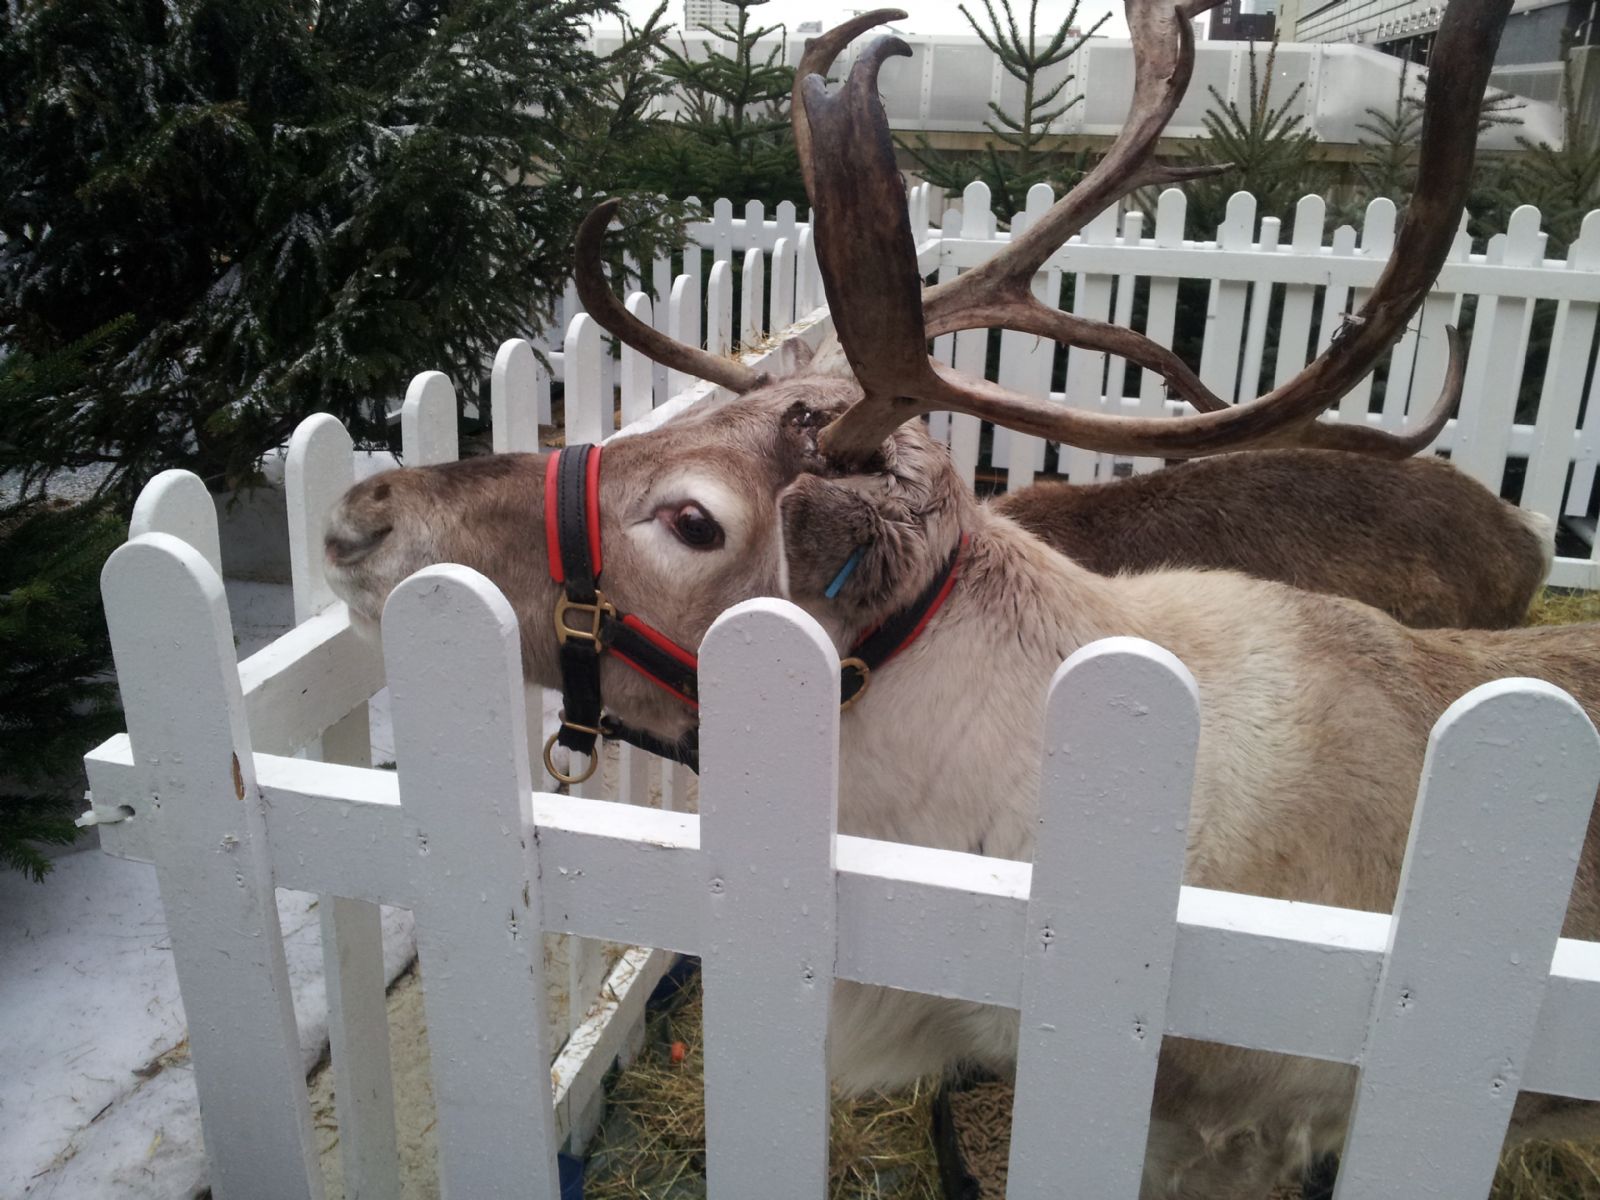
[{"x": 867, "y": 255}]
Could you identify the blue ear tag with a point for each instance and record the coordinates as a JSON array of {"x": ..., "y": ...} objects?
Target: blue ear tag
[{"x": 850, "y": 565}]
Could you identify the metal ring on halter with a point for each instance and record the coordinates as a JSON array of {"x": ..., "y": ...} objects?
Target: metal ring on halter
[{"x": 549, "y": 765}]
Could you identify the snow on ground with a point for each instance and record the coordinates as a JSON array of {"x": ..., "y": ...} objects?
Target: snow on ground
[{"x": 96, "y": 1096}]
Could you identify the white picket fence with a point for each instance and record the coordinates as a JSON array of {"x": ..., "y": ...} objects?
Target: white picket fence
[
  {"x": 1268, "y": 288},
  {"x": 1244, "y": 971},
  {"x": 778, "y": 906}
]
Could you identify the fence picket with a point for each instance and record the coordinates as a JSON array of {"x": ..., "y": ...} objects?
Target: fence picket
[
  {"x": 1122, "y": 726},
  {"x": 454, "y": 659},
  {"x": 781, "y": 302},
  {"x": 1086, "y": 369},
  {"x": 661, "y": 280},
  {"x": 1026, "y": 359},
  {"x": 1509, "y": 781},
  {"x": 752, "y": 294},
  {"x": 1219, "y": 354},
  {"x": 176, "y": 502},
  {"x": 784, "y": 223},
  {"x": 317, "y": 470},
  {"x": 519, "y": 397},
  {"x": 1336, "y": 297},
  {"x": 1294, "y": 326},
  {"x": 1161, "y": 313},
  {"x": 683, "y": 324},
  {"x": 428, "y": 420},
  {"x": 1255, "y": 339},
  {"x": 1127, "y": 284},
  {"x": 770, "y": 938},
  {"x": 944, "y": 347},
  {"x": 1571, "y": 349},
  {"x": 1377, "y": 239},
  {"x": 588, "y": 400},
  {"x": 719, "y": 308},
  {"x": 186, "y": 723},
  {"x": 807, "y": 289},
  {"x": 637, "y": 380},
  {"x": 1502, "y": 328},
  {"x": 721, "y": 230}
]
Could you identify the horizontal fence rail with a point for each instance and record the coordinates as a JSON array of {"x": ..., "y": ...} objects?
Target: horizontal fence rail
[{"x": 458, "y": 834}]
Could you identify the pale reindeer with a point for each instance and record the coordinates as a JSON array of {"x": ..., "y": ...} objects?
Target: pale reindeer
[{"x": 1315, "y": 710}]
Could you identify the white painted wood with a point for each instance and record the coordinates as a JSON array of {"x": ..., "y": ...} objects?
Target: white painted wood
[
  {"x": 176, "y": 502},
  {"x": 944, "y": 347},
  {"x": 1377, "y": 239},
  {"x": 1571, "y": 351},
  {"x": 1440, "y": 309},
  {"x": 1161, "y": 313},
  {"x": 1288, "y": 977},
  {"x": 1255, "y": 340},
  {"x": 1294, "y": 328},
  {"x": 784, "y": 223},
  {"x": 661, "y": 279},
  {"x": 683, "y": 323},
  {"x": 1502, "y": 327},
  {"x": 1025, "y": 360},
  {"x": 637, "y": 380},
  {"x": 752, "y": 297},
  {"x": 428, "y": 421},
  {"x": 781, "y": 302},
  {"x": 1085, "y": 378},
  {"x": 1336, "y": 296},
  {"x": 1122, "y": 726},
  {"x": 769, "y": 901},
  {"x": 519, "y": 397},
  {"x": 807, "y": 284},
  {"x": 719, "y": 308},
  {"x": 721, "y": 230},
  {"x": 455, "y": 682},
  {"x": 186, "y": 721},
  {"x": 1117, "y": 368},
  {"x": 1510, "y": 779},
  {"x": 1219, "y": 354},
  {"x": 971, "y": 347},
  {"x": 317, "y": 470},
  {"x": 588, "y": 400}
]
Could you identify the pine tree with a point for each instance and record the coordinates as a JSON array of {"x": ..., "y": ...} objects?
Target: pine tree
[
  {"x": 1024, "y": 151},
  {"x": 732, "y": 135},
  {"x": 56, "y": 699},
  {"x": 1272, "y": 153},
  {"x": 300, "y": 203},
  {"x": 1563, "y": 181}
]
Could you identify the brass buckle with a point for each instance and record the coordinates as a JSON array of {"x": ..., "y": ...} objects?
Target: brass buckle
[
  {"x": 550, "y": 745},
  {"x": 598, "y": 612},
  {"x": 866, "y": 680}
]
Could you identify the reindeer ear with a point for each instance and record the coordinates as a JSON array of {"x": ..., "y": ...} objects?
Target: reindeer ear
[{"x": 841, "y": 550}]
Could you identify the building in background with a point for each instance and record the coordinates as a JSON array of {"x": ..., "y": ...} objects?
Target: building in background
[
  {"x": 809, "y": 27},
  {"x": 1529, "y": 61},
  {"x": 709, "y": 14},
  {"x": 1242, "y": 21}
]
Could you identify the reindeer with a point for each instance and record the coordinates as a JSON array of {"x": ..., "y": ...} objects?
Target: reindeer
[{"x": 1315, "y": 710}]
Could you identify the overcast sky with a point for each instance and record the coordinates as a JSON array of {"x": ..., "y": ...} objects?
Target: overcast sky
[{"x": 927, "y": 16}]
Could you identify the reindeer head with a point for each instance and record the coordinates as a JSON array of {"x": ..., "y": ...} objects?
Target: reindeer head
[{"x": 775, "y": 491}]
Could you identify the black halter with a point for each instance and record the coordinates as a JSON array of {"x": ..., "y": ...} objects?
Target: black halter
[{"x": 588, "y": 626}]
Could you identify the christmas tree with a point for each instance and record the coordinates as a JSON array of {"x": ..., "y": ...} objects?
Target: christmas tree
[{"x": 299, "y": 203}]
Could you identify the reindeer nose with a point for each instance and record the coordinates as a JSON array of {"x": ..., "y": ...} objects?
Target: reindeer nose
[{"x": 346, "y": 547}]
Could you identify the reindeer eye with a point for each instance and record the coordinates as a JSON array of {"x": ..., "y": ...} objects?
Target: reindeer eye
[{"x": 695, "y": 528}]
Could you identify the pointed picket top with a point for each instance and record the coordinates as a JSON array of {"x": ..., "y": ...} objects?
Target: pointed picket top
[
  {"x": 588, "y": 402},
  {"x": 783, "y": 219},
  {"x": 519, "y": 397},
  {"x": 317, "y": 470},
  {"x": 755, "y": 219},
  {"x": 428, "y": 420},
  {"x": 176, "y": 502}
]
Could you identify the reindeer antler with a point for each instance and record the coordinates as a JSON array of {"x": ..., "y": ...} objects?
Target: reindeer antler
[{"x": 867, "y": 255}]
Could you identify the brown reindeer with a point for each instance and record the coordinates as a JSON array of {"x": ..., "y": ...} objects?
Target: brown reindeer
[{"x": 1315, "y": 711}]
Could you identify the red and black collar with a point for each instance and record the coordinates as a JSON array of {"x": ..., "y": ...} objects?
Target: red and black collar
[{"x": 589, "y": 626}]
